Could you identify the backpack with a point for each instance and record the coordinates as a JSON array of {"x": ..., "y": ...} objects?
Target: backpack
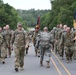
[{"x": 45, "y": 38}]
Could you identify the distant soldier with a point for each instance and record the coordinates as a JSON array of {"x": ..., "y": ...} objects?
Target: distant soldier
[
  {"x": 4, "y": 44},
  {"x": 1, "y": 41},
  {"x": 4, "y": 28},
  {"x": 34, "y": 38},
  {"x": 59, "y": 37},
  {"x": 74, "y": 55},
  {"x": 68, "y": 41},
  {"x": 53, "y": 35},
  {"x": 3, "y": 50},
  {"x": 8, "y": 35},
  {"x": 62, "y": 32},
  {"x": 56, "y": 38},
  {"x": 19, "y": 41},
  {"x": 45, "y": 46}
]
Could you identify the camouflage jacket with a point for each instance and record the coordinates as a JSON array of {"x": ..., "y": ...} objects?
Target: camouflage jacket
[
  {"x": 19, "y": 38},
  {"x": 67, "y": 39}
]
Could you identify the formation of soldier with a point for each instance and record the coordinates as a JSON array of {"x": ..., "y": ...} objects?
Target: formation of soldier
[
  {"x": 61, "y": 40},
  {"x": 64, "y": 42}
]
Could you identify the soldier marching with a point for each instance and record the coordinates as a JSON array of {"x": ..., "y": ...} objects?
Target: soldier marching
[{"x": 61, "y": 40}]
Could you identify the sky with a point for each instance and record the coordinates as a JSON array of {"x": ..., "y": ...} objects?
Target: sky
[{"x": 29, "y": 4}]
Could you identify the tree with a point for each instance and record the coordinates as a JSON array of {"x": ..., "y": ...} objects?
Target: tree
[{"x": 62, "y": 11}]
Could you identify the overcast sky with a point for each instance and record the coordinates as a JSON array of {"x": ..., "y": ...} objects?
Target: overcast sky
[{"x": 28, "y": 4}]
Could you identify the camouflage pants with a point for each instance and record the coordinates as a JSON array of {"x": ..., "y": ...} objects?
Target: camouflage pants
[
  {"x": 8, "y": 48},
  {"x": 44, "y": 50},
  {"x": 3, "y": 52},
  {"x": 61, "y": 50},
  {"x": 69, "y": 52},
  {"x": 0, "y": 51},
  {"x": 74, "y": 55},
  {"x": 19, "y": 56},
  {"x": 56, "y": 48}
]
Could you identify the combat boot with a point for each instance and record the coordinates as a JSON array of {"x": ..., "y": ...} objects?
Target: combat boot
[
  {"x": 6, "y": 56},
  {"x": 38, "y": 53},
  {"x": 16, "y": 69},
  {"x": 3, "y": 62},
  {"x": 74, "y": 58},
  {"x": 67, "y": 60},
  {"x": 62, "y": 58},
  {"x": 48, "y": 64},
  {"x": 41, "y": 63},
  {"x": 27, "y": 50},
  {"x": 35, "y": 52},
  {"x": 21, "y": 68}
]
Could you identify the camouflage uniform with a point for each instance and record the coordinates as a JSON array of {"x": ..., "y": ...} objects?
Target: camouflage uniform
[
  {"x": 74, "y": 55},
  {"x": 61, "y": 48},
  {"x": 57, "y": 40},
  {"x": 19, "y": 40},
  {"x": 2, "y": 48},
  {"x": 37, "y": 44},
  {"x": 3, "y": 52},
  {"x": 45, "y": 47},
  {"x": 34, "y": 41},
  {"x": 8, "y": 35},
  {"x": 1, "y": 41},
  {"x": 53, "y": 35},
  {"x": 68, "y": 42}
]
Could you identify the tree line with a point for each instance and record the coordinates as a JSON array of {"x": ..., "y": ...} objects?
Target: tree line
[
  {"x": 30, "y": 16},
  {"x": 8, "y": 15},
  {"x": 62, "y": 11}
]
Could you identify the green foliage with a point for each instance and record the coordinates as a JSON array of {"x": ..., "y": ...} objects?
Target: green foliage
[
  {"x": 45, "y": 20},
  {"x": 63, "y": 12},
  {"x": 30, "y": 16},
  {"x": 8, "y": 15}
]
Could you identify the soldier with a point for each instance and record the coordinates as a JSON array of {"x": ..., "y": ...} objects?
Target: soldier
[
  {"x": 19, "y": 41},
  {"x": 56, "y": 38},
  {"x": 3, "y": 50},
  {"x": 34, "y": 38},
  {"x": 1, "y": 41},
  {"x": 59, "y": 37},
  {"x": 4, "y": 28},
  {"x": 4, "y": 44},
  {"x": 74, "y": 55},
  {"x": 45, "y": 46},
  {"x": 63, "y": 32},
  {"x": 60, "y": 48},
  {"x": 68, "y": 41},
  {"x": 8, "y": 35},
  {"x": 53, "y": 35}
]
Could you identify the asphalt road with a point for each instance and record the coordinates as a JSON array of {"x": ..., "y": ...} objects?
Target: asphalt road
[{"x": 32, "y": 65}]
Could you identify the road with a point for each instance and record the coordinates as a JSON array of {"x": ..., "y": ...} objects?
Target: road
[{"x": 32, "y": 65}]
